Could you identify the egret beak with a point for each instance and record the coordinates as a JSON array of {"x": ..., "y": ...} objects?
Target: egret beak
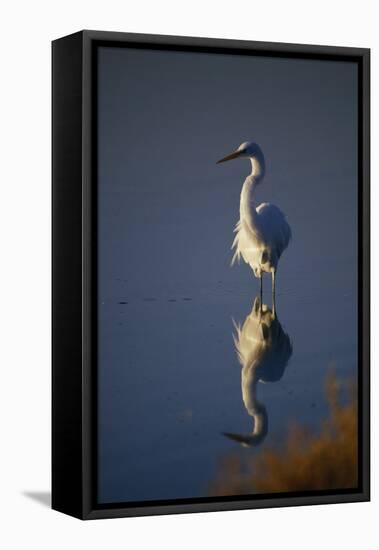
[
  {"x": 245, "y": 440},
  {"x": 232, "y": 156}
]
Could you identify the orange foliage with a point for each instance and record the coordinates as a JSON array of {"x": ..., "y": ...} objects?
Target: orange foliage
[{"x": 327, "y": 460}]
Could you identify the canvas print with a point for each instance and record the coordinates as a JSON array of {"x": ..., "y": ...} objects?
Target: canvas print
[{"x": 227, "y": 230}]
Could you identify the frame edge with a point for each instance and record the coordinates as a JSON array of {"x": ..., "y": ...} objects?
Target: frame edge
[{"x": 67, "y": 275}]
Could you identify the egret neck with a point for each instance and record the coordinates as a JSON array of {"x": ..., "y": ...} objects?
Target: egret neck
[
  {"x": 255, "y": 408},
  {"x": 247, "y": 209},
  {"x": 258, "y": 167}
]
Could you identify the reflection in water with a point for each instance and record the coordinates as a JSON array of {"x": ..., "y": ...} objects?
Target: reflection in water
[
  {"x": 264, "y": 350},
  {"x": 327, "y": 459}
]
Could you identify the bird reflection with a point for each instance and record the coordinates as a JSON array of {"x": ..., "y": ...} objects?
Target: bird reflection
[{"x": 263, "y": 349}]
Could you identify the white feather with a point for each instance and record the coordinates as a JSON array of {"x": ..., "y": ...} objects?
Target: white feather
[{"x": 262, "y": 232}]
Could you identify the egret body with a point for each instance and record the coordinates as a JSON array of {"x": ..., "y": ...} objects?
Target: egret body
[{"x": 262, "y": 232}]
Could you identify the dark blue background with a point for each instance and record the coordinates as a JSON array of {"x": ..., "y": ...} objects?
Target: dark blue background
[{"x": 169, "y": 379}]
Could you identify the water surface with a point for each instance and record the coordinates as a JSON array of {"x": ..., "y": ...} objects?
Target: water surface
[{"x": 169, "y": 376}]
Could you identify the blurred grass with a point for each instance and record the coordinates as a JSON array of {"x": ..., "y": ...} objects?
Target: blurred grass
[{"x": 307, "y": 460}]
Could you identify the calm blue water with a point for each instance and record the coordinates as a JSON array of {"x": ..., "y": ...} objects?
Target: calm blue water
[{"x": 169, "y": 377}]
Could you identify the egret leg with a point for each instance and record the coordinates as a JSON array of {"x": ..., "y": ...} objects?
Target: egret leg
[{"x": 273, "y": 274}]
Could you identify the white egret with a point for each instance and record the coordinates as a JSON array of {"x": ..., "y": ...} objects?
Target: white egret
[
  {"x": 263, "y": 349},
  {"x": 262, "y": 232}
]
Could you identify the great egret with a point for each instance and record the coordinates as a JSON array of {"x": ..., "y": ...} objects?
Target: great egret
[
  {"x": 263, "y": 349},
  {"x": 262, "y": 232}
]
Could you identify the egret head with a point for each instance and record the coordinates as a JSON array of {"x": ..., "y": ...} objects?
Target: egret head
[{"x": 248, "y": 149}]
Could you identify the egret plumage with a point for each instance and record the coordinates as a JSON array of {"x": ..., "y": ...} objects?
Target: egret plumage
[
  {"x": 263, "y": 350},
  {"x": 262, "y": 231}
]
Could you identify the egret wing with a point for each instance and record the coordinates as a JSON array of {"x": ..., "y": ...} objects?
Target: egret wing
[{"x": 274, "y": 227}]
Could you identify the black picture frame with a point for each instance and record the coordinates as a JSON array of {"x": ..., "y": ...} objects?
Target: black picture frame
[{"x": 74, "y": 314}]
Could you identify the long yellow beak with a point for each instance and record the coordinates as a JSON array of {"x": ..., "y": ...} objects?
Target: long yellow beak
[
  {"x": 248, "y": 440},
  {"x": 232, "y": 156}
]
